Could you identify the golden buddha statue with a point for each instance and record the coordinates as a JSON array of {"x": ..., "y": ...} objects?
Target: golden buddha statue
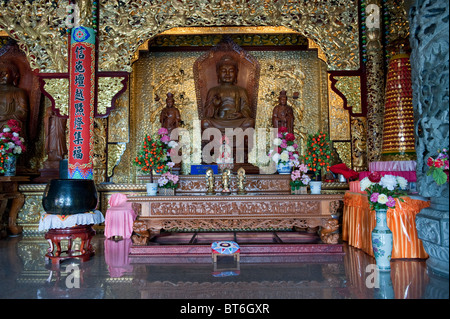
[{"x": 227, "y": 105}]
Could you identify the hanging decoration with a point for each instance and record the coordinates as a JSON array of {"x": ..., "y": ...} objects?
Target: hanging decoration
[
  {"x": 81, "y": 102},
  {"x": 398, "y": 132}
]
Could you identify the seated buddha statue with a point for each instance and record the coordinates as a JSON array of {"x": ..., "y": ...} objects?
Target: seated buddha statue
[{"x": 227, "y": 104}]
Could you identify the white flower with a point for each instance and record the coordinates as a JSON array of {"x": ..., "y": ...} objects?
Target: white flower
[
  {"x": 15, "y": 134},
  {"x": 382, "y": 199},
  {"x": 365, "y": 183},
  {"x": 402, "y": 182},
  {"x": 389, "y": 181},
  {"x": 17, "y": 150},
  {"x": 290, "y": 148},
  {"x": 277, "y": 141},
  {"x": 276, "y": 157},
  {"x": 6, "y": 129},
  {"x": 172, "y": 144},
  {"x": 284, "y": 156}
]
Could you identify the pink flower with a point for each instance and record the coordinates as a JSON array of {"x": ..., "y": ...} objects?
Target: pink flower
[
  {"x": 165, "y": 138},
  {"x": 283, "y": 144},
  {"x": 374, "y": 197},
  {"x": 390, "y": 202},
  {"x": 163, "y": 131}
]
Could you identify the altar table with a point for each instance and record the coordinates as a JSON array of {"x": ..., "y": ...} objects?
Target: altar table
[
  {"x": 238, "y": 211},
  {"x": 359, "y": 221},
  {"x": 9, "y": 186}
]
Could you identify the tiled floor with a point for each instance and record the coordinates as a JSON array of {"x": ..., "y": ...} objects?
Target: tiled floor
[{"x": 111, "y": 274}]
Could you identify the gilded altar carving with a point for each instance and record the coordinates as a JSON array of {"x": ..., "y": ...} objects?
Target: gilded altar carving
[
  {"x": 58, "y": 89},
  {"x": 333, "y": 26},
  {"x": 237, "y": 208}
]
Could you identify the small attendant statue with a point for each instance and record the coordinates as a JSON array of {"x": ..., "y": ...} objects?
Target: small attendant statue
[
  {"x": 210, "y": 182},
  {"x": 241, "y": 178},
  {"x": 226, "y": 181}
]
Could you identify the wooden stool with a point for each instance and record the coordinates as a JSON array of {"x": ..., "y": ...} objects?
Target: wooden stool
[
  {"x": 227, "y": 248},
  {"x": 54, "y": 237}
]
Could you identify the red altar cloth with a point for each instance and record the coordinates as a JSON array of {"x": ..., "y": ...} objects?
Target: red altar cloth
[
  {"x": 410, "y": 176},
  {"x": 359, "y": 221}
]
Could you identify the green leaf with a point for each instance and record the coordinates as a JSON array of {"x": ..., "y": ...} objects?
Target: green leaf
[{"x": 439, "y": 176}]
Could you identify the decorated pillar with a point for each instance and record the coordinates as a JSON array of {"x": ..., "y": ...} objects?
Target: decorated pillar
[
  {"x": 375, "y": 81},
  {"x": 81, "y": 103},
  {"x": 398, "y": 132}
]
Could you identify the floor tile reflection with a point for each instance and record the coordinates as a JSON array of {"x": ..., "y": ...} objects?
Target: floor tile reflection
[{"x": 111, "y": 273}]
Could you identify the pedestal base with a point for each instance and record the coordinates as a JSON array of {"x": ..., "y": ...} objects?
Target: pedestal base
[{"x": 54, "y": 237}]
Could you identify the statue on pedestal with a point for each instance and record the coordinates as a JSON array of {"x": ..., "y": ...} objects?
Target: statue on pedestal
[
  {"x": 13, "y": 100},
  {"x": 170, "y": 117},
  {"x": 227, "y": 105},
  {"x": 283, "y": 114}
]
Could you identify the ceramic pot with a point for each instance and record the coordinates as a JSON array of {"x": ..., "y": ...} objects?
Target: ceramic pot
[
  {"x": 382, "y": 241},
  {"x": 70, "y": 196},
  {"x": 283, "y": 168},
  {"x": 10, "y": 165},
  {"x": 315, "y": 187},
  {"x": 152, "y": 189}
]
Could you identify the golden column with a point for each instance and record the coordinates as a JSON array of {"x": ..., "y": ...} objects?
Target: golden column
[
  {"x": 398, "y": 131},
  {"x": 375, "y": 82}
]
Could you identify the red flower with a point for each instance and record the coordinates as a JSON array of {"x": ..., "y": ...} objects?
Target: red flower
[
  {"x": 290, "y": 137},
  {"x": 282, "y": 129},
  {"x": 374, "y": 177},
  {"x": 439, "y": 163},
  {"x": 430, "y": 161}
]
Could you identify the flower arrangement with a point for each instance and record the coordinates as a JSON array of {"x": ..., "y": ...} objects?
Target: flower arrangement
[
  {"x": 382, "y": 190},
  {"x": 155, "y": 153},
  {"x": 286, "y": 148},
  {"x": 299, "y": 178},
  {"x": 12, "y": 144},
  {"x": 318, "y": 153},
  {"x": 2, "y": 160},
  {"x": 168, "y": 180},
  {"x": 438, "y": 168}
]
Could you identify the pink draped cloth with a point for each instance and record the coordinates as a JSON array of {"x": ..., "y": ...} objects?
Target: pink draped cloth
[
  {"x": 120, "y": 217},
  {"x": 409, "y": 176}
]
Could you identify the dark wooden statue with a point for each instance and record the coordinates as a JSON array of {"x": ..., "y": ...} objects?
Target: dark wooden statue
[
  {"x": 170, "y": 117},
  {"x": 227, "y": 104},
  {"x": 226, "y": 82},
  {"x": 283, "y": 114},
  {"x": 13, "y": 100}
]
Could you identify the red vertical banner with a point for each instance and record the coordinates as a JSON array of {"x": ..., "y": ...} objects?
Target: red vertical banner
[{"x": 81, "y": 103}]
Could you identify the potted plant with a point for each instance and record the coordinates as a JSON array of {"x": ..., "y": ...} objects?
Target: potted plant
[
  {"x": 167, "y": 183},
  {"x": 438, "y": 168},
  {"x": 299, "y": 180},
  {"x": 382, "y": 192},
  {"x": 317, "y": 158},
  {"x": 285, "y": 151},
  {"x": 11, "y": 146},
  {"x": 154, "y": 156}
]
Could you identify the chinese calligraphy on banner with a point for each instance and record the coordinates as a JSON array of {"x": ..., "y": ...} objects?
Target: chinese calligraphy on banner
[{"x": 81, "y": 104}]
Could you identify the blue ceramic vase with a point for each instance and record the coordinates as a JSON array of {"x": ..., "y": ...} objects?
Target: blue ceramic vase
[
  {"x": 283, "y": 168},
  {"x": 10, "y": 165},
  {"x": 382, "y": 241}
]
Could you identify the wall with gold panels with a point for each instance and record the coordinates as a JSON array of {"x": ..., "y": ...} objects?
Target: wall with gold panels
[{"x": 157, "y": 73}]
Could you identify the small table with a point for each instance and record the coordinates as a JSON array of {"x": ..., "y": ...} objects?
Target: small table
[
  {"x": 9, "y": 190},
  {"x": 226, "y": 248},
  {"x": 54, "y": 237},
  {"x": 70, "y": 228}
]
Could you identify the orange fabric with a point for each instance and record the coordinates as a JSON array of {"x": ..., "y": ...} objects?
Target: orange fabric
[{"x": 359, "y": 221}]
